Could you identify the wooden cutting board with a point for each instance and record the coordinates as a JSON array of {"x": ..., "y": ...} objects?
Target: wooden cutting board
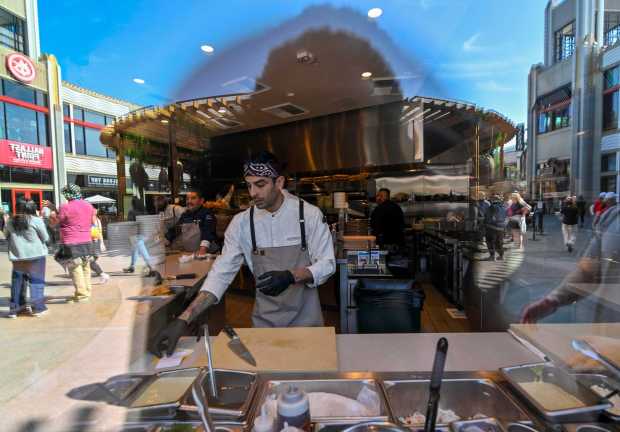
[
  {"x": 555, "y": 341},
  {"x": 281, "y": 349}
]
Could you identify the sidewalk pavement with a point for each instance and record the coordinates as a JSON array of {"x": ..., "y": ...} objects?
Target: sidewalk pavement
[
  {"x": 529, "y": 274},
  {"x": 67, "y": 347}
]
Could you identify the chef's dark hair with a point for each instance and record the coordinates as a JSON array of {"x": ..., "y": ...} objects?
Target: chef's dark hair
[{"x": 386, "y": 190}]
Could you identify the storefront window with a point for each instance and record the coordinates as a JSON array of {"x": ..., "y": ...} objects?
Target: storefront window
[
  {"x": 19, "y": 91},
  {"x": 610, "y": 110},
  {"x": 554, "y": 119},
  {"x": 78, "y": 113},
  {"x": 21, "y": 124},
  {"x": 42, "y": 128},
  {"x": 94, "y": 117},
  {"x": 67, "y": 134},
  {"x": 565, "y": 42},
  {"x": 12, "y": 31},
  {"x": 30, "y": 175},
  {"x": 66, "y": 110},
  {"x": 608, "y": 162},
  {"x": 93, "y": 144},
  {"x": 608, "y": 183},
  {"x": 80, "y": 143}
]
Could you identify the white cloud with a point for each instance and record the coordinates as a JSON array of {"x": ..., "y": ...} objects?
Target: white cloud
[
  {"x": 482, "y": 69},
  {"x": 470, "y": 44},
  {"x": 493, "y": 87}
]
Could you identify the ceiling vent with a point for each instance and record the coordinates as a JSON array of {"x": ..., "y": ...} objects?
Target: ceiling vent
[
  {"x": 226, "y": 123},
  {"x": 245, "y": 85},
  {"x": 285, "y": 110},
  {"x": 386, "y": 87}
]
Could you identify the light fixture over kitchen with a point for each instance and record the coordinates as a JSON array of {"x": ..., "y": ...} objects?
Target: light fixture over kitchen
[
  {"x": 207, "y": 48},
  {"x": 164, "y": 121},
  {"x": 366, "y": 74},
  {"x": 222, "y": 110},
  {"x": 138, "y": 80},
  {"x": 375, "y": 12},
  {"x": 290, "y": 94}
]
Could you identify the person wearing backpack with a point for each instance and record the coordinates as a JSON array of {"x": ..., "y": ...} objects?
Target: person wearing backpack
[{"x": 495, "y": 225}]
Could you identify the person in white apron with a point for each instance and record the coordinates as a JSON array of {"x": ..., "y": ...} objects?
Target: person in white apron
[{"x": 288, "y": 247}]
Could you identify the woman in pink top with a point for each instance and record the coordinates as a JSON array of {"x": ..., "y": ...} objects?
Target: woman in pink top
[{"x": 76, "y": 250}]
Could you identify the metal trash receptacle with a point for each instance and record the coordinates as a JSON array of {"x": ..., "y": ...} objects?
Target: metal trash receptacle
[{"x": 388, "y": 306}]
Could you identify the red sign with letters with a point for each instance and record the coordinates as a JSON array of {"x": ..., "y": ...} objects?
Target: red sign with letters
[
  {"x": 19, "y": 154},
  {"x": 21, "y": 67}
]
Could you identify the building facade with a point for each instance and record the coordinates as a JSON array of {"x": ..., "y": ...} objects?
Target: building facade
[
  {"x": 49, "y": 129},
  {"x": 573, "y": 102}
]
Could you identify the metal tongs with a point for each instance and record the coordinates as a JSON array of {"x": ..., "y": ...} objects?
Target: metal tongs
[
  {"x": 210, "y": 370},
  {"x": 201, "y": 401},
  {"x": 589, "y": 351},
  {"x": 435, "y": 386}
]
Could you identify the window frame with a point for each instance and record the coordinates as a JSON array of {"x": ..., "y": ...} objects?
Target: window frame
[
  {"x": 564, "y": 42},
  {"x": 19, "y": 38}
]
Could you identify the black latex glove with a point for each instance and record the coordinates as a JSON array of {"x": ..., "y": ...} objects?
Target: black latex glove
[
  {"x": 273, "y": 283},
  {"x": 167, "y": 339}
]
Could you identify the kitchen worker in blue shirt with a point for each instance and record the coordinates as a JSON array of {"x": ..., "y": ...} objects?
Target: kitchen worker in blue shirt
[{"x": 288, "y": 247}]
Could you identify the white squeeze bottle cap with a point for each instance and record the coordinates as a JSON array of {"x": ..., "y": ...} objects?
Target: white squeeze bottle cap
[
  {"x": 264, "y": 422},
  {"x": 288, "y": 428},
  {"x": 293, "y": 403}
]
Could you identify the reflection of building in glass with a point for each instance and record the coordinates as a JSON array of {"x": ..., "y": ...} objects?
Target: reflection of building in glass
[{"x": 573, "y": 139}]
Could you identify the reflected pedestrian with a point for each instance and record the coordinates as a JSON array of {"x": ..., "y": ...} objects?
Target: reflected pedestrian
[
  {"x": 96, "y": 232},
  {"x": 76, "y": 250},
  {"x": 517, "y": 213},
  {"x": 494, "y": 227},
  {"x": 27, "y": 238},
  {"x": 139, "y": 245},
  {"x": 597, "y": 208},
  {"x": 581, "y": 210},
  {"x": 570, "y": 217}
]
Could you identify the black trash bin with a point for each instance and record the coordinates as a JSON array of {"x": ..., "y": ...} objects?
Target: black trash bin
[{"x": 388, "y": 306}]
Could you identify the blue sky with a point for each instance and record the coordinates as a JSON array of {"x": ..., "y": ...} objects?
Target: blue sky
[{"x": 476, "y": 50}]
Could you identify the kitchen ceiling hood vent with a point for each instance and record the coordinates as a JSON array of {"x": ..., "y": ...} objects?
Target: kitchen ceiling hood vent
[
  {"x": 386, "y": 87},
  {"x": 285, "y": 110}
]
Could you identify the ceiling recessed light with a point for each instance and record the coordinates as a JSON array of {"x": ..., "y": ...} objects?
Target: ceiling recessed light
[
  {"x": 222, "y": 110},
  {"x": 138, "y": 80},
  {"x": 207, "y": 48},
  {"x": 375, "y": 13},
  {"x": 290, "y": 94},
  {"x": 366, "y": 74},
  {"x": 164, "y": 121}
]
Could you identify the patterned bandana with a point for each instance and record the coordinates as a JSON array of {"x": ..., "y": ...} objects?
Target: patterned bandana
[
  {"x": 72, "y": 192},
  {"x": 260, "y": 170}
]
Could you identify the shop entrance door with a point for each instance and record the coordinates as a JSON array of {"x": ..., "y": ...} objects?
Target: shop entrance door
[{"x": 27, "y": 194}]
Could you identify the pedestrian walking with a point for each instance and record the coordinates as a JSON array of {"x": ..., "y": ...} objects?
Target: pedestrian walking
[
  {"x": 138, "y": 241},
  {"x": 76, "y": 218},
  {"x": 495, "y": 225},
  {"x": 517, "y": 213},
  {"x": 570, "y": 218},
  {"x": 597, "y": 208},
  {"x": 581, "y": 210},
  {"x": 540, "y": 214},
  {"x": 27, "y": 238},
  {"x": 96, "y": 233}
]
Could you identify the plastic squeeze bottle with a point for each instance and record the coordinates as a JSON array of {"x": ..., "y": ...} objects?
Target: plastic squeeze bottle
[
  {"x": 264, "y": 422},
  {"x": 294, "y": 409}
]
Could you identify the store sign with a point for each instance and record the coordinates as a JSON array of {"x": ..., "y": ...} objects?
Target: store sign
[
  {"x": 99, "y": 181},
  {"x": 21, "y": 67},
  {"x": 18, "y": 154}
]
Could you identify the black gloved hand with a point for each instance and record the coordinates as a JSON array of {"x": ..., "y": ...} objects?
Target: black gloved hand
[
  {"x": 167, "y": 338},
  {"x": 273, "y": 283}
]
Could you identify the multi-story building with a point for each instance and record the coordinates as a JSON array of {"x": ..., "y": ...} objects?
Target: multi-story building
[
  {"x": 573, "y": 101},
  {"x": 49, "y": 129}
]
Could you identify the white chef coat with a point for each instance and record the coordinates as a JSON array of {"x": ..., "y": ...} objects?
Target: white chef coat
[{"x": 280, "y": 228}]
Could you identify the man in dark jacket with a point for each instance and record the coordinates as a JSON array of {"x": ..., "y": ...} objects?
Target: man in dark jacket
[
  {"x": 195, "y": 231},
  {"x": 495, "y": 225},
  {"x": 581, "y": 209},
  {"x": 570, "y": 216},
  {"x": 387, "y": 220}
]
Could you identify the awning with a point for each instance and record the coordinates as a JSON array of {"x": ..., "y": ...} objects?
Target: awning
[
  {"x": 556, "y": 97},
  {"x": 99, "y": 199}
]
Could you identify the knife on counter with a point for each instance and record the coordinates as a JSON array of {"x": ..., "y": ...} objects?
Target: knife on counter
[{"x": 236, "y": 345}]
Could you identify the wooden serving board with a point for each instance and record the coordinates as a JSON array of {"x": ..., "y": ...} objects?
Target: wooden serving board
[
  {"x": 555, "y": 341},
  {"x": 281, "y": 349}
]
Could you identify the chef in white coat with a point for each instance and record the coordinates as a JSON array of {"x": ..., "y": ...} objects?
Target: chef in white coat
[{"x": 288, "y": 247}]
